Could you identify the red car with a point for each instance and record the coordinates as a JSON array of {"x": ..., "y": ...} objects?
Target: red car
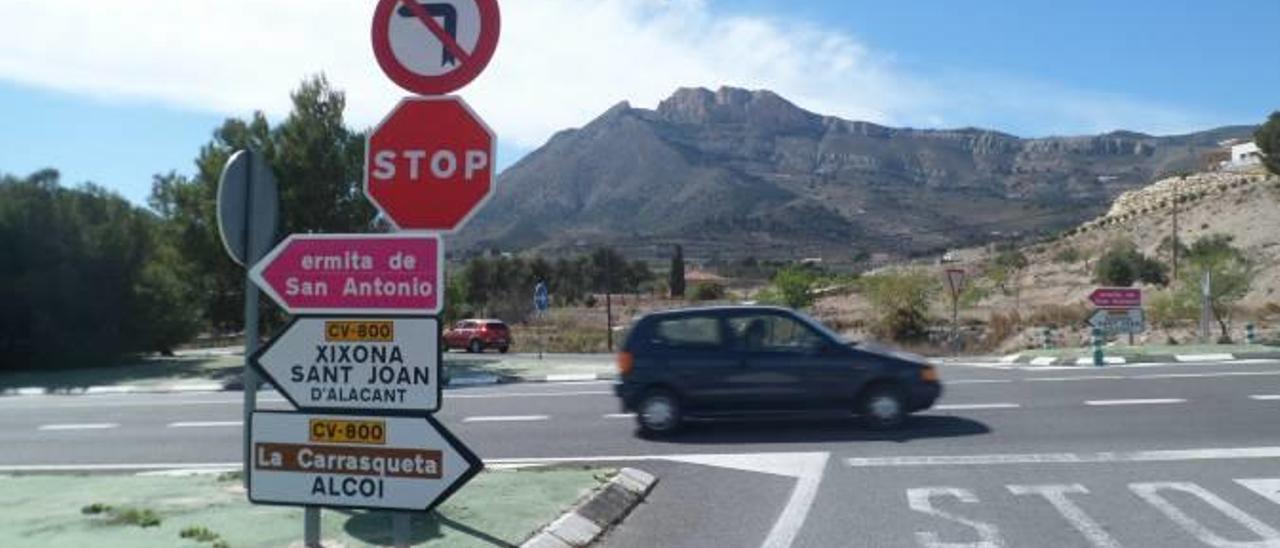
[{"x": 477, "y": 335}]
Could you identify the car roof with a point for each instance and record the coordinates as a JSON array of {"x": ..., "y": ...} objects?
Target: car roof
[
  {"x": 481, "y": 320},
  {"x": 694, "y": 310}
]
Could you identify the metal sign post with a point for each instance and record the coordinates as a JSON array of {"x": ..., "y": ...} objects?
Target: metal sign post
[
  {"x": 955, "y": 283},
  {"x": 248, "y": 210},
  {"x": 541, "y": 301}
]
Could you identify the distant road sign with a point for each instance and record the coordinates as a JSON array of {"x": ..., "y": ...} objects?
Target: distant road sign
[
  {"x": 541, "y": 299},
  {"x": 399, "y": 274},
  {"x": 430, "y": 164},
  {"x": 375, "y": 365},
  {"x": 1116, "y": 297},
  {"x": 955, "y": 281},
  {"x": 435, "y": 47},
  {"x": 1131, "y": 321},
  {"x": 351, "y": 461},
  {"x": 248, "y": 207}
]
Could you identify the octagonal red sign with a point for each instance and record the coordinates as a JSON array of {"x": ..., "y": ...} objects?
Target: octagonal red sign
[{"x": 429, "y": 164}]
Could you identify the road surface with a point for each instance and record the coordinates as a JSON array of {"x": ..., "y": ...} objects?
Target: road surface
[{"x": 1166, "y": 455}]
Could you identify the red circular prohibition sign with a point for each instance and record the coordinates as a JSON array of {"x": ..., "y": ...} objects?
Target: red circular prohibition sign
[{"x": 471, "y": 64}]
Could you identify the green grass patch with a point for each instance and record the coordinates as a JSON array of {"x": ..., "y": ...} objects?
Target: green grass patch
[{"x": 498, "y": 508}]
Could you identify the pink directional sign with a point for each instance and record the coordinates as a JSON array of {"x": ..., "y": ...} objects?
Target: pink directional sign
[
  {"x": 354, "y": 274},
  {"x": 1116, "y": 297}
]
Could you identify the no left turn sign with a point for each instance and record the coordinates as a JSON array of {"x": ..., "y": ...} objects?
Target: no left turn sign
[{"x": 433, "y": 47}]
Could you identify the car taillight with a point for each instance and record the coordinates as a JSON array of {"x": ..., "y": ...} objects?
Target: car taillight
[
  {"x": 929, "y": 374},
  {"x": 626, "y": 362}
]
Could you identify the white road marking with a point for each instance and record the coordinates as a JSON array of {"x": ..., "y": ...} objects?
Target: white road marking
[
  {"x": 918, "y": 500},
  {"x": 1184, "y": 358},
  {"x": 507, "y": 418},
  {"x": 1265, "y": 397},
  {"x": 974, "y": 406},
  {"x": 807, "y": 468},
  {"x": 499, "y": 395},
  {"x": 1079, "y": 378},
  {"x": 572, "y": 377},
  {"x": 1150, "y": 492},
  {"x": 1150, "y": 401},
  {"x": 205, "y": 424},
  {"x": 1096, "y": 534},
  {"x": 100, "y": 404},
  {"x": 1208, "y": 375},
  {"x": 1268, "y": 488},
  {"x": 980, "y": 381},
  {"x": 85, "y": 426},
  {"x": 16, "y": 468},
  {"x": 1069, "y": 458},
  {"x": 620, "y": 416}
]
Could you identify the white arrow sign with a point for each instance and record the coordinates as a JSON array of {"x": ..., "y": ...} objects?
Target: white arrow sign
[
  {"x": 388, "y": 365},
  {"x": 403, "y": 463},
  {"x": 1132, "y": 320}
]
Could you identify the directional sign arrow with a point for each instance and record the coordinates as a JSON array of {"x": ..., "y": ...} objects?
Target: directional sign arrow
[
  {"x": 401, "y": 274},
  {"x": 1116, "y": 297},
  {"x": 401, "y": 463},
  {"x": 375, "y": 365}
]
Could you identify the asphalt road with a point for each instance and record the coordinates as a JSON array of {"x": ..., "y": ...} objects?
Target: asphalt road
[{"x": 1177, "y": 455}]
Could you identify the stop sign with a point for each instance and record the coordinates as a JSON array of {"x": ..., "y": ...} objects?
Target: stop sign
[{"x": 429, "y": 164}]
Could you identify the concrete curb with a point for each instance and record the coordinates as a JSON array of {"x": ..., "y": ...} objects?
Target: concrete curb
[
  {"x": 583, "y": 524},
  {"x": 1149, "y": 358}
]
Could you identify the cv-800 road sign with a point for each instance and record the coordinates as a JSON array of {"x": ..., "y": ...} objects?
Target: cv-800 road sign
[
  {"x": 356, "y": 461},
  {"x": 375, "y": 365}
]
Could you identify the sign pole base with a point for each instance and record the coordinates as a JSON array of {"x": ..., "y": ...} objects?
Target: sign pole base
[
  {"x": 311, "y": 527},
  {"x": 401, "y": 529}
]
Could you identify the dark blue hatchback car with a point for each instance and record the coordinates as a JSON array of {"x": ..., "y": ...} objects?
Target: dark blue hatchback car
[{"x": 745, "y": 360}]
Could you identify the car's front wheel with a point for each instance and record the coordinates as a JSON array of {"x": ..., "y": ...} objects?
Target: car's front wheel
[
  {"x": 883, "y": 407},
  {"x": 659, "y": 413},
  {"x": 475, "y": 347}
]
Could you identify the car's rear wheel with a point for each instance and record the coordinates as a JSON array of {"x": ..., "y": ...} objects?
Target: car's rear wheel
[
  {"x": 658, "y": 413},
  {"x": 475, "y": 347},
  {"x": 883, "y": 407}
]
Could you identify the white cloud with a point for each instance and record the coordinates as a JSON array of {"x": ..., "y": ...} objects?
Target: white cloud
[{"x": 560, "y": 63}]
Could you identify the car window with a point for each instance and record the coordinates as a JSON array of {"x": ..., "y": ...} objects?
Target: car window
[
  {"x": 773, "y": 333},
  {"x": 689, "y": 332},
  {"x": 496, "y": 325}
]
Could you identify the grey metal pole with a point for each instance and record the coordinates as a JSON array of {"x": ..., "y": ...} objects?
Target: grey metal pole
[
  {"x": 311, "y": 527},
  {"x": 401, "y": 529},
  {"x": 249, "y": 376}
]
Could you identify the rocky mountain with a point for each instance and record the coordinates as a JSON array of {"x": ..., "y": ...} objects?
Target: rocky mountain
[{"x": 733, "y": 173}]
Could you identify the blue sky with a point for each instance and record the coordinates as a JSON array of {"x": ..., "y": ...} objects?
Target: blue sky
[{"x": 126, "y": 102}]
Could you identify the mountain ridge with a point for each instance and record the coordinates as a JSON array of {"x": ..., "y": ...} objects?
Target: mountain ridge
[{"x": 737, "y": 172}]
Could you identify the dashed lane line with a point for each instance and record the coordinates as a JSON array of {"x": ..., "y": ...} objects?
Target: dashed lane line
[
  {"x": 205, "y": 424},
  {"x": 1150, "y": 401},
  {"x": 620, "y": 416},
  {"x": 507, "y": 418},
  {"x": 82, "y": 426},
  {"x": 976, "y": 406},
  {"x": 1265, "y": 397}
]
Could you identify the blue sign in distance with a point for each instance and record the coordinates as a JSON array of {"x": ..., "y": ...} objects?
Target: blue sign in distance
[{"x": 541, "y": 300}]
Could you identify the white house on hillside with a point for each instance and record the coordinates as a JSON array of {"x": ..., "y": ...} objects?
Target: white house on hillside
[{"x": 1243, "y": 155}]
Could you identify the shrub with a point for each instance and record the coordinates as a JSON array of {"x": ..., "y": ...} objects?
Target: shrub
[
  {"x": 1058, "y": 315},
  {"x": 901, "y": 301},
  {"x": 795, "y": 285},
  {"x": 708, "y": 291},
  {"x": 1068, "y": 255}
]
